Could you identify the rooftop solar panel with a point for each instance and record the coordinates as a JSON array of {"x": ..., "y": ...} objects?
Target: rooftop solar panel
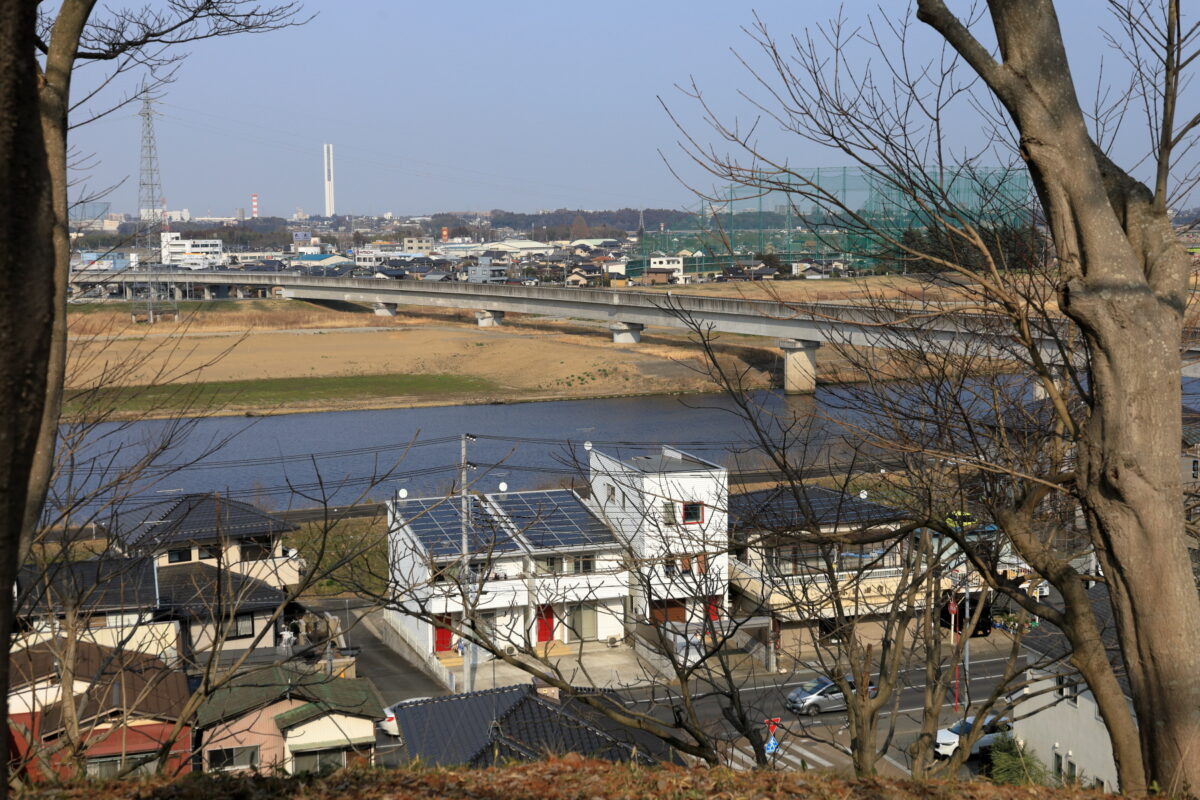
[
  {"x": 437, "y": 524},
  {"x": 553, "y": 519},
  {"x": 781, "y": 508}
]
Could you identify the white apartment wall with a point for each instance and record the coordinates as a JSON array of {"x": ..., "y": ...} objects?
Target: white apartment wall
[{"x": 1070, "y": 728}]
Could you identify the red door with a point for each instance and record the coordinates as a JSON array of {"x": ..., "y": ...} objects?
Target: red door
[
  {"x": 545, "y": 623},
  {"x": 442, "y": 635}
]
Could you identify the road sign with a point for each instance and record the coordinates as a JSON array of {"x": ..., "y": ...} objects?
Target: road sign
[
  {"x": 952, "y": 607},
  {"x": 772, "y": 746},
  {"x": 772, "y": 724}
]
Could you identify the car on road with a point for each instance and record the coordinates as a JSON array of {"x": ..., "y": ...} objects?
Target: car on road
[
  {"x": 818, "y": 695},
  {"x": 388, "y": 724},
  {"x": 948, "y": 738}
]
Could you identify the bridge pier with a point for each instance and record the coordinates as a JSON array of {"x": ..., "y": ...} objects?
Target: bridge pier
[
  {"x": 626, "y": 332},
  {"x": 385, "y": 309},
  {"x": 489, "y": 319},
  {"x": 799, "y": 365},
  {"x": 206, "y": 292},
  {"x": 239, "y": 293}
]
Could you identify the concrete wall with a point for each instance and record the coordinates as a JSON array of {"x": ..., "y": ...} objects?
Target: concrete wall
[{"x": 1069, "y": 728}]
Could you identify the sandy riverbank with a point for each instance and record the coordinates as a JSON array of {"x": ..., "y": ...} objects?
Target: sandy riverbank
[{"x": 232, "y": 351}]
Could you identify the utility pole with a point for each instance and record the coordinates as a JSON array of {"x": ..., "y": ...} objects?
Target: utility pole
[{"x": 469, "y": 595}]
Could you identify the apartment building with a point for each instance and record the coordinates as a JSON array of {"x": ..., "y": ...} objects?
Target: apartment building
[{"x": 191, "y": 253}]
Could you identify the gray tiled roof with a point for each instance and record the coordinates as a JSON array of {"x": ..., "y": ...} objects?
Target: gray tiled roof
[
  {"x": 195, "y": 518},
  {"x": 202, "y": 591},
  {"x": 261, "y": 688},
  {"x": 514, "y": 722},
  {"x": 104, "y": 584}
]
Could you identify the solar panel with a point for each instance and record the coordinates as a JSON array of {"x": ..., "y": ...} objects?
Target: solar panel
[
  {"x": 437, "y": 524},
  {"x": 809, "y": 505},
  {"x": 553, "y": 519}
]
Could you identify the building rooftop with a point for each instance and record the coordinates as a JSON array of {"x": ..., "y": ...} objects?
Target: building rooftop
[
  {"x": 195, "y": 518},
  {"x": 509, "y": 522},
  {"x": 668, "y": 459},
  {"x": 784, "y": 508}
]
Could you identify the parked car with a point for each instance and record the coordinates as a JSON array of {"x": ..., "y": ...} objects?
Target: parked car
[
  {"x": 818, "y": 695},
  {"x": 388, "y": 724},
  {"x": 948, "y": 738}
]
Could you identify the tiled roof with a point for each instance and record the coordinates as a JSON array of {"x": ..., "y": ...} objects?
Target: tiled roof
[
  {"x": 104, "y": 584},
  {"x": 203, "y": 591},
  {"x": 784, "y": 508},
  {"x": 261, "y": 688},
  {"x": 118, "y": 681},
  {"x": 481, "y": 728},
  {"x": 195, "y": 518}
]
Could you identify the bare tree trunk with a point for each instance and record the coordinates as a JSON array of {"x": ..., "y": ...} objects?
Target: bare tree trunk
[
  {"x": 1125, "y": 285},
  {"x": 26, "y": 299}
]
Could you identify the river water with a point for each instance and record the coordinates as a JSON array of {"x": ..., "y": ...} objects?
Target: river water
[{"x": 339, "y": 457}]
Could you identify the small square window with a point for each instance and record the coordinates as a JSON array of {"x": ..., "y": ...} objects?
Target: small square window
[
  {"x": 693, "y": 513},
  {"x": 209, "y": 551},
  {"x": 179, "y": 555},
  {"x": 585, "y": 563},
  {"x": 668, "y": 512},
  {"x": 243, "y": 627},
  {"x": 611, "y": 494}
]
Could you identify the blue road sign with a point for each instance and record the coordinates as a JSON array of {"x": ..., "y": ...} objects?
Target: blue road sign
[{"x": 772, "y": 746}]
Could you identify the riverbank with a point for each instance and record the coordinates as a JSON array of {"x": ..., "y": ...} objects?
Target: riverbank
[{"x": 266, "y": 357}]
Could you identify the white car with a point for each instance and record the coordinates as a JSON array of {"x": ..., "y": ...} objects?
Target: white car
[
  {"x": 949, "y": 738},
  {"x": 388, "y": 724}
]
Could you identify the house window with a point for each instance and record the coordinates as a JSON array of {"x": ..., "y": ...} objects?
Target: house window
[
  {"x": 585, "y": 563},
  {"x": 232, "y": 758},
  {"x": 1098, "y": 783},
  {"x": 548, "y": 565},
  {"x": 669, "y": 567},
  {"x": 668, "y": 512},
  {"x": 611, "y": 494},
  {"x": 693, "y": 513},
  {"x": 1195, "y": 469},
  {"x": 1058, "y": 764},
  {"x": 1071, "y": 771},
  {"x": 243, "y": 627},
  {"x": 209, "y": 551},
  {"x": 179, "y": 555},
  {"x": 1066, "y": 687},
  {"x": 257, "y": 548},
  {"x": 318, "y": 762},
  {"x": 114, "y": 766}
]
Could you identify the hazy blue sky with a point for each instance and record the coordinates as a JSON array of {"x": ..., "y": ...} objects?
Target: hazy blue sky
[{"x": 457, "y": 106}]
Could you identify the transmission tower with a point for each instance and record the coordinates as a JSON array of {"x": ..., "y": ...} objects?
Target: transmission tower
[{"x": 152, "y": 216}]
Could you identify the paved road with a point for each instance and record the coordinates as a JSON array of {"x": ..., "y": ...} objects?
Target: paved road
[
  {"x": 392, "y": 675},
  {"x": 809, "y": 742}
]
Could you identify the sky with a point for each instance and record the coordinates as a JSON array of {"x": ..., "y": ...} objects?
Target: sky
[{"x": 463, "y": 106}]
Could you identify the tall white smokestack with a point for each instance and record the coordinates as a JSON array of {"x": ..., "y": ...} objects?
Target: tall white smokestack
[{"x": 329, "y": 180}]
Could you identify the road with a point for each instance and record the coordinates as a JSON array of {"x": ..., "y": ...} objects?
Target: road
[
  {"x": 817, "y": 742},
  {"x": 393, "y": 677}
]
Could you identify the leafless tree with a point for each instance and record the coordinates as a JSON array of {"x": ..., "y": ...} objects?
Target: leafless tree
[{"x": 1097, "y": 326}]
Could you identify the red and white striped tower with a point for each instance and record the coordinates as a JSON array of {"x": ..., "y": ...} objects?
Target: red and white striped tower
[{"x": 254, "y": 206}]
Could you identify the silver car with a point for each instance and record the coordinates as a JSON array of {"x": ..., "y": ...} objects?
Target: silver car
[{"x": 818, "y": 695}]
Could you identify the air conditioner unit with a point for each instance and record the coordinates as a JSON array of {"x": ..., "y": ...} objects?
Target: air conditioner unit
[
  {"x": 614, "y": 641},
  {"x": 510, "y": 649}
]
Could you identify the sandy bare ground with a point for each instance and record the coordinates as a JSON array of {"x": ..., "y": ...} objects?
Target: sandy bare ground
[{"x": 524, "y": 359}]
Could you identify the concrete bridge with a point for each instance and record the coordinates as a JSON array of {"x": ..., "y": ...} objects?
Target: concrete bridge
[{"x": 799, "y": 329}]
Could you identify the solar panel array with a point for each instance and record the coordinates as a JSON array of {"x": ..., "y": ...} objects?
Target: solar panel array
[
  {"x": 437, "y": 523},
  {"x": 808, "y": 505},
  {"x": 553, "y": 519}
]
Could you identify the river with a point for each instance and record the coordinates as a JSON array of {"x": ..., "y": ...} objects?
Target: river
[{"x": 339, "y": 457}]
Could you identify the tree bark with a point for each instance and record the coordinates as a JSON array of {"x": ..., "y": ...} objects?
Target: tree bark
[
  {"x": 1124, "y": 283},
  {"x": 26, "y": 297}
]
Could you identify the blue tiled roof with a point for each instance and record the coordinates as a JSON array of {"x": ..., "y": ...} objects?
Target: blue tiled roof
[{"x": 784, "y": 508}]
